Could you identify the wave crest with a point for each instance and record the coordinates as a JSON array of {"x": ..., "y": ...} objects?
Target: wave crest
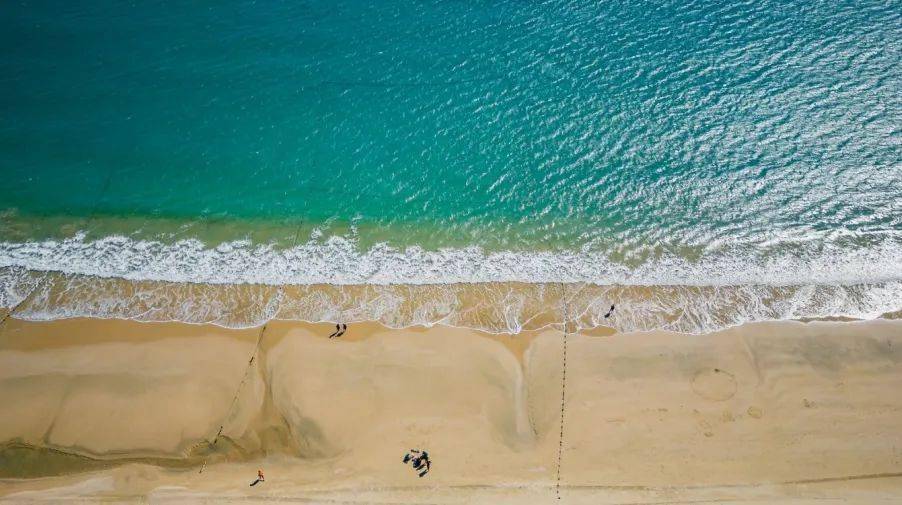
[
  {"x": 339, "y": 261},
  {"x": 238, "y": 284}
]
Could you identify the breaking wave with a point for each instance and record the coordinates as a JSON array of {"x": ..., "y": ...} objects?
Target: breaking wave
[{"x": 239, "y": 284}]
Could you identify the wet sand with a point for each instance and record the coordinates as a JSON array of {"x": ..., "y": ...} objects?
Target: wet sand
[{"x": 768, "y": 412}]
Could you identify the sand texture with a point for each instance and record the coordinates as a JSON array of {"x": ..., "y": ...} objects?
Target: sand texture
[{"x": 772, "y": 412}]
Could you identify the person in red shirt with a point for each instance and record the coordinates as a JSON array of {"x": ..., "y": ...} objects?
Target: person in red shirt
[{"x": 259, "y": 478}]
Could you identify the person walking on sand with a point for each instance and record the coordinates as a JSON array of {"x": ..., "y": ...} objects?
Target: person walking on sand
[{"x": 259, "y": 478}]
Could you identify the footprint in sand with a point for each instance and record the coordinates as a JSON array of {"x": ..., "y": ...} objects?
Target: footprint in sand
[
  {"x": 714, "y": 384},
  {"x": 755, "y": 412}
]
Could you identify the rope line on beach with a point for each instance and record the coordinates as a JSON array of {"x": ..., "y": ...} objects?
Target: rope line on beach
[
  {"x": 560, "y": 448},
  {"x": 247, "y": 371},
  {"x": 250, "y": 362},
  {"x": 10, "y": 313},
  {"x": 22, "y": 301}
]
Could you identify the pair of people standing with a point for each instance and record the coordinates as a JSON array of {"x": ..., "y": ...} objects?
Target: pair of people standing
[{"x": 340, "y": 330}]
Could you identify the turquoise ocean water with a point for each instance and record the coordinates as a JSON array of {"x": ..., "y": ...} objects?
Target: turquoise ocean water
[{"x": 715, "y": 144}]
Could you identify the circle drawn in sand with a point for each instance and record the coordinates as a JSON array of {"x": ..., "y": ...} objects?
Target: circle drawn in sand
[{"x": 714, "y": 384}]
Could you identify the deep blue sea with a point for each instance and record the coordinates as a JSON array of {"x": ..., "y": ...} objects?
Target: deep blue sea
[{"x": 623, "y": 143}]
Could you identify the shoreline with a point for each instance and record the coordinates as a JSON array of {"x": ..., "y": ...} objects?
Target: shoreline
[
  {"x": 497, "y": 307},
  {"x": 765, "y": 404}
]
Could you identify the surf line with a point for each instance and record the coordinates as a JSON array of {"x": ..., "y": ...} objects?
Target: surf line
[{"x": 560, "y": 447}]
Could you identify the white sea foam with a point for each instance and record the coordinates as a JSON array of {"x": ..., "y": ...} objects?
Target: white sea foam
[
  {"x": 15, "y": 284},
  {"x": 338, "y": 261},
  {"x": 234, "y": 284}
]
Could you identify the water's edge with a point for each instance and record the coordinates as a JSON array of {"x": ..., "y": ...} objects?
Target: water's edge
[
  {"x": 242, "y": 284},
  {"x": 499, "y": 307}
]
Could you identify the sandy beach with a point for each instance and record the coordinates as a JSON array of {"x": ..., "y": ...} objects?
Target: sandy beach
[
  {"x": 636, "y": 253},
  {"x": 171, "y": 412}
]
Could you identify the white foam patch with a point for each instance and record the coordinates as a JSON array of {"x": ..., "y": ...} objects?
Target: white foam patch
[
  {"x": 15, "y": 284},
  {"x": 338, "y": 261},
  {"x": 233, "y": 285}
]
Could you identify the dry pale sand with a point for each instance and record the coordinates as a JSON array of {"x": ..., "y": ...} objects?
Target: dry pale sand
[{"x": 106, "y": 410}]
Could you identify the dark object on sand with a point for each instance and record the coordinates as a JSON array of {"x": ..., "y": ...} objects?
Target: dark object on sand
[
  {"x": 340, "y": 330},
  {"x": 419, "y": 460},
  {"x": 259, "y": 478},
  {"x": 609, "y": 312}
]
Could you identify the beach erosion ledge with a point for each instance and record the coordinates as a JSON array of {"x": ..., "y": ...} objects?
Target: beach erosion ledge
[{"x": 775, "y": 403}]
